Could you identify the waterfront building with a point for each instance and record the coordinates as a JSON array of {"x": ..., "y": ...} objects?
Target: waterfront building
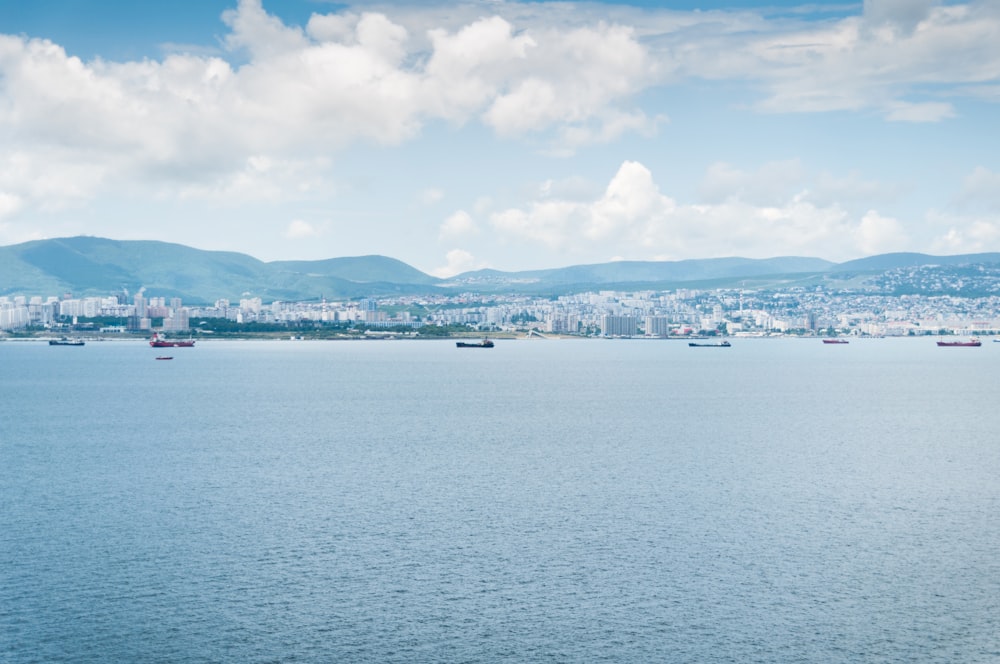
[
  {"x": 657, "y": 326},
  {"x": 619, "y": 326},
  {"x": 12, "y": 316}
]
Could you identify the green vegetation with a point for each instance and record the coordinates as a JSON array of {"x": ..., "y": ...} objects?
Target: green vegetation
[{"x": 443, "y": 331}]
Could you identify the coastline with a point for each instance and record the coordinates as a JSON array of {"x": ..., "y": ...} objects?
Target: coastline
[{"x": 45, "y": 337}]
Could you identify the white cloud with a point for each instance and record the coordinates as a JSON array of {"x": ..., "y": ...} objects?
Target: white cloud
[
  {"x": 301, "y": 230},
  {"x": 885, "y": 60},
  {"x": 9, "y": 204},
  {"x": 923, "y": 112},
  {"x": 332, "y": 27},
  {"x": 735, "y": 228},
  {"x": 458, "y": 261},
  {"x": 877, "y": 234},
  {"x": 631, "y": 200},
  {"x": 523, "y": 70},
  {"x": 623, "y": 214},
  {"x": 469, "y": 68},
  {"x": 634, "y": 219},
  {"x": 48, "y": 179},
  {"x": 574, "y": 188},
  {"x": 902, "y": 14},
  {"x": 773, "y": 184},
  {"x": 260, "y": 33},
  {"x": 965, "y": 234},
  {"x": 458, "y": 224},
  {"x": 572, "y": 78},
  {"x": 195, "y": 120},
  {"x": 549, "y": 223}
]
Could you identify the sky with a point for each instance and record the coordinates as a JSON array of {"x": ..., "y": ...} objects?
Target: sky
[{"x": 462, "y": 135}]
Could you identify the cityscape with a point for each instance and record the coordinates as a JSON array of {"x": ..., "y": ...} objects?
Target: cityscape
[{"x": 806, "y": 311}]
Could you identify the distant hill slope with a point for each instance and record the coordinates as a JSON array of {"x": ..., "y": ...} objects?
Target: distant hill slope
[
  {"x": 897, "y": 260},
  {"x": 361, "y": 269},
  {"x": 98, "y": 266},
  {"x": 653, "y": 271},
  {"x": 89, "y": 266}
]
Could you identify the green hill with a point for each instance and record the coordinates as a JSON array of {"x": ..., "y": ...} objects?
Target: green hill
[{"x": 90, "y": 266}]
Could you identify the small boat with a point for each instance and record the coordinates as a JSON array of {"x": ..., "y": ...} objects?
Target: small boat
[
  {"x": 724, "y": 344},
  {"x": 165, "y": 357},
  {"x": 66, "y": 342},
  {"x": 835, "y": 341},
  {"x": 971, "y": 343},
  {"x": 485, "y": 343},
  {"x": 159, "y": 342}
]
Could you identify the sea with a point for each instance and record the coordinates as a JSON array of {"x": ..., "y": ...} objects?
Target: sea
[{"x": 546, "y": 500}]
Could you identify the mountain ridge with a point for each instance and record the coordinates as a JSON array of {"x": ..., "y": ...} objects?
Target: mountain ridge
[{"x": 86, "y": 265}]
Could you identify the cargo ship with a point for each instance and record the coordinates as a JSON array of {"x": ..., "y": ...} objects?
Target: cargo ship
[
  {"x": 835, "y": 341},
  {"x": 971, "y": 343},
  {"x": 66, "y": 342},
  {"x": 158, "y": 342},
  {"x": 485, "y": 343},
  {"x": 724, "y": 344}
]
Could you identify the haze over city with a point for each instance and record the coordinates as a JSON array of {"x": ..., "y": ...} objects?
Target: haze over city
[{"x": 461, "y": 135}]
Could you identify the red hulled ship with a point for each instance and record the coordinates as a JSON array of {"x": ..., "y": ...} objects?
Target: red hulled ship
[
  {"x": 971, "y": 343},
  {"x": 158, "y": 342}
]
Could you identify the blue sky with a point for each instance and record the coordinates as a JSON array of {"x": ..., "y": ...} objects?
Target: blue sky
[{"x": 512, "y": 135}]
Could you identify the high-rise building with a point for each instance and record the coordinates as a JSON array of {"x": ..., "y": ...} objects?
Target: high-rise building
[
  {"x": 178, "y": 322},
  {"x": 657, "y": 326},
  {"x": 619, "y": 326}
]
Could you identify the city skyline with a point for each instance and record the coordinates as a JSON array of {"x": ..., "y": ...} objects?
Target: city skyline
[
  {"x": 455, "y": 136},
  {"x": 681, "y": 313}
]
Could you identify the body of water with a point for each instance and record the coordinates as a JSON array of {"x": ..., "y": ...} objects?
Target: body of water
[{"x": 558, "y": 501}]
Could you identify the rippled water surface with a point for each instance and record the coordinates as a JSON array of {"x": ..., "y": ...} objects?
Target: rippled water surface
[{"x": 564, "y": 501}]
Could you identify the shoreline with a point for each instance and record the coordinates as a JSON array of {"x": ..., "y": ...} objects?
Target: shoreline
[{"x": 523, "y": 336}]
